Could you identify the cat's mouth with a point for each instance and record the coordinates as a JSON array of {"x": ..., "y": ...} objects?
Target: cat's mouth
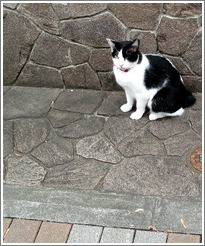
[{"x": 124, "y": 70}]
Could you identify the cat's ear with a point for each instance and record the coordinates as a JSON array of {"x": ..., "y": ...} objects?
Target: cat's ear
[
  {"x": 135, "y": 44},
  {"x": 111, "y": 43}
]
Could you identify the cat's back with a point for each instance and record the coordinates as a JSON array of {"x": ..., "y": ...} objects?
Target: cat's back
[{"x": 161, "y": 69}]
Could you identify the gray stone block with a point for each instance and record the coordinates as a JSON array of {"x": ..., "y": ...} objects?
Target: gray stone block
[
  {"x": 24, "y": 171},
  {"x": 19, "y": 37},
  {"x": 85, "y": 234},
  {"x": 77, "y": 174},
  {"x": 81, "y": 30},
  {"x": 25, "y": 102},
  {"x": 181, "y": 143},
  {"x": 8, "y": 138},
  {"x": 140, "y": 143},
  {"x": 51, "y": 51},
  {"x": 169, "y": 213},
  {"x": 118, "y": 128},
  {"x": 163, "y": 176},
  {"x": 81, "y": 207},
  {"x": 84, "y": 9},
  {"x": 198, "y": 103},
  {"x": 111, "y": 105},
  {"x": 98, "y": 148},
  {"x": 62, "y": 118},
  {"x": 150, "y": 237},
  {"x": 62, "y": 10},
  {"x": 81, "y": 101},
  {"x": 117, "y": 235},
  {"x": 82, "y": 128},
  {"x": 39, "y": 76},
  {"x": 196, "y": 120},
  {"x": 167, "y": 127},
  {"x": 54, "y": 152},
  {"x": 138, "y": 15},
  {"x": 43, "y": 15},
  {"x": 29, "y": 133},
  {"x": 81, "y": 76}
]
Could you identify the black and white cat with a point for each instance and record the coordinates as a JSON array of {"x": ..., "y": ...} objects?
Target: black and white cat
[{"x": 150, "y": 80}]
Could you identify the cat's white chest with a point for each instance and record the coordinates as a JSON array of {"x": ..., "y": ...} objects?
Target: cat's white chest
[{"x": 133, "y": 79}]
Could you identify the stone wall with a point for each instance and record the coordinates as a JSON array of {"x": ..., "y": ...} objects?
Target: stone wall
[{"x": 64, "y": 44}]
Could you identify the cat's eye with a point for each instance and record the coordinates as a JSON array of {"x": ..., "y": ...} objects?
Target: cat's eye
[{"x": 116, "y": 57}]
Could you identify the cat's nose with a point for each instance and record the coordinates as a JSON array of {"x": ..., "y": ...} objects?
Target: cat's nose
[{"x": 121, "y": 65}]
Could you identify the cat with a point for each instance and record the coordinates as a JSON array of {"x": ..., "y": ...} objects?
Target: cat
[{"x": 151, "y": 81}]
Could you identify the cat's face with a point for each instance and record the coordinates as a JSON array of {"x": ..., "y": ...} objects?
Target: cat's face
[{"x": 125, "y": 54}]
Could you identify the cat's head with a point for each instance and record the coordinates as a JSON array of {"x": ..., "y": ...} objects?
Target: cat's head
[{"x": 125, "y": 54}]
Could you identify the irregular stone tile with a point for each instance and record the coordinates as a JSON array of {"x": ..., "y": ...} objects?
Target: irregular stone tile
[
  {"x": 78, "y": 174},
  {"x": 198, "y": 104},
  {"x": 22, "y": 102},
  {"x": 62, "y": 118},
  {"x": 43, "y": 15},
  {"x": 181, "y": 143},
  {"x": 182, "y": 9},
  {"x": 8, "y": 142},
  {"x": 107, "y": 81},
  {"x": 81, "y": 101},
  {"x": 97, "y": 148},
  {"x": 172, "y": 35},
  {"x": 62, "y": 10},
  {"x": 81, "y": 76},
  {"x": 141, "y": 143},
  {"x": 158, "y": 176},
  {"x": 28, "y": 133},
  {"x": 167, "y": 127},
  {"x": 82, "y": 128},
  {"x": 137, "y": 15},
  {"x": 193, "y": 83},
  {"x": 100, "y": 59},
  {"x": 51, "y": 51},
  {"x": 54, "y": 152},
  {"x": 193, "y": 55},
  {"x": 79, "y": 53},
  {"x": 200, "y": 20},
  {"x": 24, "y": 171},
  {"x": 196, "y": 120},
  {"x": 10, "y": 5},
  {"x": 148, "y": 41},
  {"x": 6, "y": 88},
  {"x": 179, "y": 64},
  {"x": 39, "y": 76},
  {"x": 118, "y": 128},
  {"x": 111, "y": 105},
  {"x": 81, "y": 30},
  {"x": 19, "y": 36},
  {"x": 86, "y": 9}
]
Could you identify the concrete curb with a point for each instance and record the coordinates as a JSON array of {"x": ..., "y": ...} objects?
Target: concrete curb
[{"x": 107, "y": 209}]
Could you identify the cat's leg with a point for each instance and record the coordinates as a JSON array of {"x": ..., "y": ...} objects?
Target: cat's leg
[
  {"x": 141, "y": 106},
  {"x": 154, "y": 116},
  {"x": 130, "y": 101}
]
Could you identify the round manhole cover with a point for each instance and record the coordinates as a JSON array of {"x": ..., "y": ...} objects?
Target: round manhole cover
[{"x": 194, "y": 159}]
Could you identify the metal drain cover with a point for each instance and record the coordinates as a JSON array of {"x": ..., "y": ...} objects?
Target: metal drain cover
[{"x": 194, "y": 159}]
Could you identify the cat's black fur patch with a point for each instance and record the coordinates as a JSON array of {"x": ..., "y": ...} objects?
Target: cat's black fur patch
[{"x": 173, "y": 94}]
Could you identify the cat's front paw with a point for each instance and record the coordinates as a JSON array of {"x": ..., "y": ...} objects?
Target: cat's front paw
[
  {"x": 136, "y": 115},
  {"x": 126, "y": 107}
]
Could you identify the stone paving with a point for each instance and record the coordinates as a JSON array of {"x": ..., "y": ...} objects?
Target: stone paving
[
  {"x": 79, "y": 139},
  {"x": 28, "y": 231}
]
